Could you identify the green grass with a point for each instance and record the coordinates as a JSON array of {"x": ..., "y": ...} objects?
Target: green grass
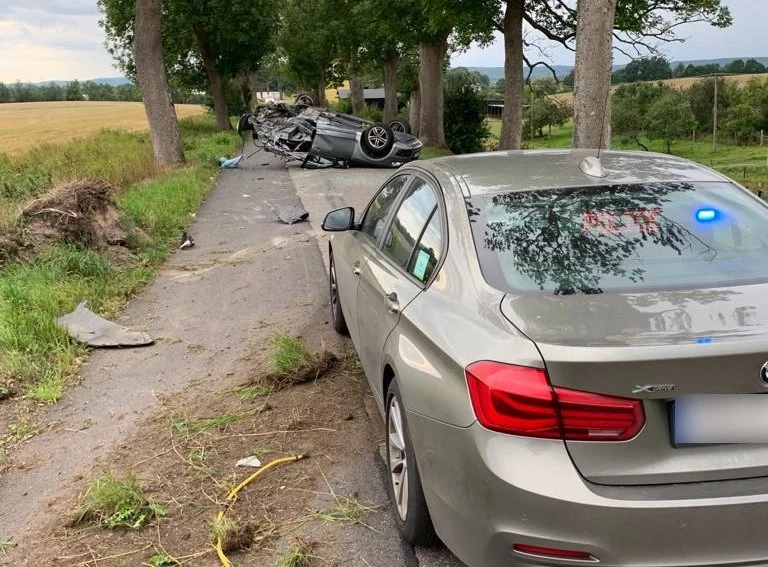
[
  {"x": 34, "y": 352},
  {"x": 163, "y": 560},
  {"x": 299, "y": 554},
  {"x": 119, "y": 504},
  {"x": 290, "y": 353}
]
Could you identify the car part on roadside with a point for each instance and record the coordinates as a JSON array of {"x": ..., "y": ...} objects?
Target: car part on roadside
[
  {"x": 85, "y": 326},
  {"x": 321, "y": 139},
  {"x": 186, "y": 240},
  {"x": 290, "y": 213}
]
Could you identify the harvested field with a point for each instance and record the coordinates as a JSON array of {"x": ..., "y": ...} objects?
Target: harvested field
[{"x": 25, "y": 125}]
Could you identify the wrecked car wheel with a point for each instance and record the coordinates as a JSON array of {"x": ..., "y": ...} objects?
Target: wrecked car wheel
[
  {"x": 377, "y": 140},
  {"x": 398, "y": 125},
  {"x": 337, "y": 315},
  {"x": 306, "y": 99},
  {"x": 405, "y": 491}
]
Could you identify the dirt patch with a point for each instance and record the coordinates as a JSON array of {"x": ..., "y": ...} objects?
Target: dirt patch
[
  {"x": 81, "y": 213},
  {"x": 185, "y": 458}
]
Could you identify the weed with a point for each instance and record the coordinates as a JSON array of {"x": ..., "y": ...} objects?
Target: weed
[
  {"x": 197, "y": 459},
  {"x": 22, "y": 430},
  {"x": 291, "y": 353},
  {"x": 299, "y": 554},
  {"x": 186, "y": 426},
  {"x": 6, "y": 544},
  {"x": 119, "y": 504},
  {"x": 347, "y": 509},
  {"x": 223, "y": 528},
  {"x": 163, "y": 560},
  {"x": 250, "y": 393}
]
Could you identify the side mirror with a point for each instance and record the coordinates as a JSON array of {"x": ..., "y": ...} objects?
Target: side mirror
[{"x": 339, "y": 220}]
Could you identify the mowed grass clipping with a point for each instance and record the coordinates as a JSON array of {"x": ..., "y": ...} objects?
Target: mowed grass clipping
[
  {"x": 24, "y": 125},
  {"x": 36, "y": 356}
]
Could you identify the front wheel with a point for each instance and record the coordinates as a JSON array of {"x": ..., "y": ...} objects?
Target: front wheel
[
  {"x": 377, "y": 139},
  {"x": 337, "y": 315},
  {"x": 404, "y": 486}
]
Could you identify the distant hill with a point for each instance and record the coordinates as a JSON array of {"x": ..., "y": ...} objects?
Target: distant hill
[
  {"x": 496, "y": 73},
  {"x": 111, "y": 81}
]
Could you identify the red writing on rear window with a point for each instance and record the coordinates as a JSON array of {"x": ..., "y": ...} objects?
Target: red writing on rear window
[{"x": 611, "y": 223}]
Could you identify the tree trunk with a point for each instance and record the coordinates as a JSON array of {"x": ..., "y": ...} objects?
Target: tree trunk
[
  {"x": 592, "y": 75},
  {"x": 390, "y": 88},
  {"x": 512, "y": 116},
  {"x": 431, "y": 59},
  {"x": 215, "y": 82},
  {"x": 150, "y": 72},
  {"x": 321, "y": 87},
  {"x": 415, "y": 111},
  {"x": 356, "y": 91}
]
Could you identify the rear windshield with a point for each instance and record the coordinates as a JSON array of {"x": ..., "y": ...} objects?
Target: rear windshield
[{"x": 621, "y": 237}]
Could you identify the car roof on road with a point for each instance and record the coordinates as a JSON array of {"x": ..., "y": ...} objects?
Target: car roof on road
[{"x": 495, "y": 172}]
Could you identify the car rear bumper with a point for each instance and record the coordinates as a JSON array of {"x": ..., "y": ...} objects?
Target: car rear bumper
[{"x": 488, "y": 491}]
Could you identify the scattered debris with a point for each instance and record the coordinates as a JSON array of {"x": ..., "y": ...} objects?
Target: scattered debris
[
  {"x": 252, "y": 461},
  {"x": 87, "y": 327},
  {"x": 230, "y": 163},
  {"x": 290, "y": 213},
  {"x": 186, "y": 240}
]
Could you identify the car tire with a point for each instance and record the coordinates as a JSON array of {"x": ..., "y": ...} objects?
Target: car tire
[
  {"x": 403, "y": 482},
  {"x": 398, "y": 125},
  {"x": 376, "y": 140},
  {"x": 337, "y": 315},
  {"x": 306, "y": 99}
]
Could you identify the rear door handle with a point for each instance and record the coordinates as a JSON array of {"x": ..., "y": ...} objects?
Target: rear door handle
[{"x": 393, "y": 306}]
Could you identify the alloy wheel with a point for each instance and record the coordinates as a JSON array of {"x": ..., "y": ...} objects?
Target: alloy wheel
[
  {"x": 377, "y": 137},
  {"x": 398, "y": 460}
]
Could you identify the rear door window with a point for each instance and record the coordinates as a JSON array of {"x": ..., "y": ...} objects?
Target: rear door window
[{"x": 380, "y": 207}]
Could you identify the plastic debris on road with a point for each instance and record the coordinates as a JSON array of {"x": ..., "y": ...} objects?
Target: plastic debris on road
[
  {"x": 252, "y": 461},
  {"x": 87, "y": 327}
]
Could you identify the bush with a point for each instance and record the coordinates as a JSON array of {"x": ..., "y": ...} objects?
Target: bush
[{"x": 463, "y": 114}]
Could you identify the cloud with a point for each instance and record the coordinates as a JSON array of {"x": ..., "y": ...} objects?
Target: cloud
[{"x": 52, "y": 40}]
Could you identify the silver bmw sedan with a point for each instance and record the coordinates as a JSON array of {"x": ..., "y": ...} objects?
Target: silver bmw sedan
[{"x": 569, "y": 352}]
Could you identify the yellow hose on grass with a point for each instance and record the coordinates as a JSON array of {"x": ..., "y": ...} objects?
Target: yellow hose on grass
[{"x": 233, "y": 495}]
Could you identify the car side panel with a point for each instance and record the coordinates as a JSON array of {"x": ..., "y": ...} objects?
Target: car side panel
[
  {"x": 379, "y": 278},
  {"x": 347, "y": 255}
]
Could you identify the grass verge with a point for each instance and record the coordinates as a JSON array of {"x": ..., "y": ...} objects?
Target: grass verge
[
  {"x": 36, "y": 356},
  {"x": 118, "y": 504}
]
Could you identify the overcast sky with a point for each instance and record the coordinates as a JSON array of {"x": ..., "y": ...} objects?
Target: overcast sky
[{"x": 61, "y": 40}]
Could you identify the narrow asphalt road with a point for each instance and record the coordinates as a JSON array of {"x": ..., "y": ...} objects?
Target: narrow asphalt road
[{"x": 211, "y": 307}]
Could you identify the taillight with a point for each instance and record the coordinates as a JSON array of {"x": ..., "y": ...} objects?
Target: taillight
[{"x": 520, "y": 400}]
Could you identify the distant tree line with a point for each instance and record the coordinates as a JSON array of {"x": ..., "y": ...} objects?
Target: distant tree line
[
  {"x": 658, "y": 68},
  {"x": 82, "y": 90},
  {"x": 659, "y": 111}
]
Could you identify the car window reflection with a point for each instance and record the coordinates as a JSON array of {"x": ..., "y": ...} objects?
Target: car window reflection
[
  {"x": 376, "y": 216},
  {"x": 409, "y": 223}
]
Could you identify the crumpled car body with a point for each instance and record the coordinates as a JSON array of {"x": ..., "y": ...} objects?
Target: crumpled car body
[{"x": 320, "y": 138}]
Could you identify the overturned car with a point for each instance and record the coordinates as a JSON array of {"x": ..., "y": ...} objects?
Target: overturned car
[{"x": 320, "y": 138}]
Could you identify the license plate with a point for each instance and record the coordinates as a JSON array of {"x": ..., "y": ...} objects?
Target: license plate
[{"x": 714, "y": 419}]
